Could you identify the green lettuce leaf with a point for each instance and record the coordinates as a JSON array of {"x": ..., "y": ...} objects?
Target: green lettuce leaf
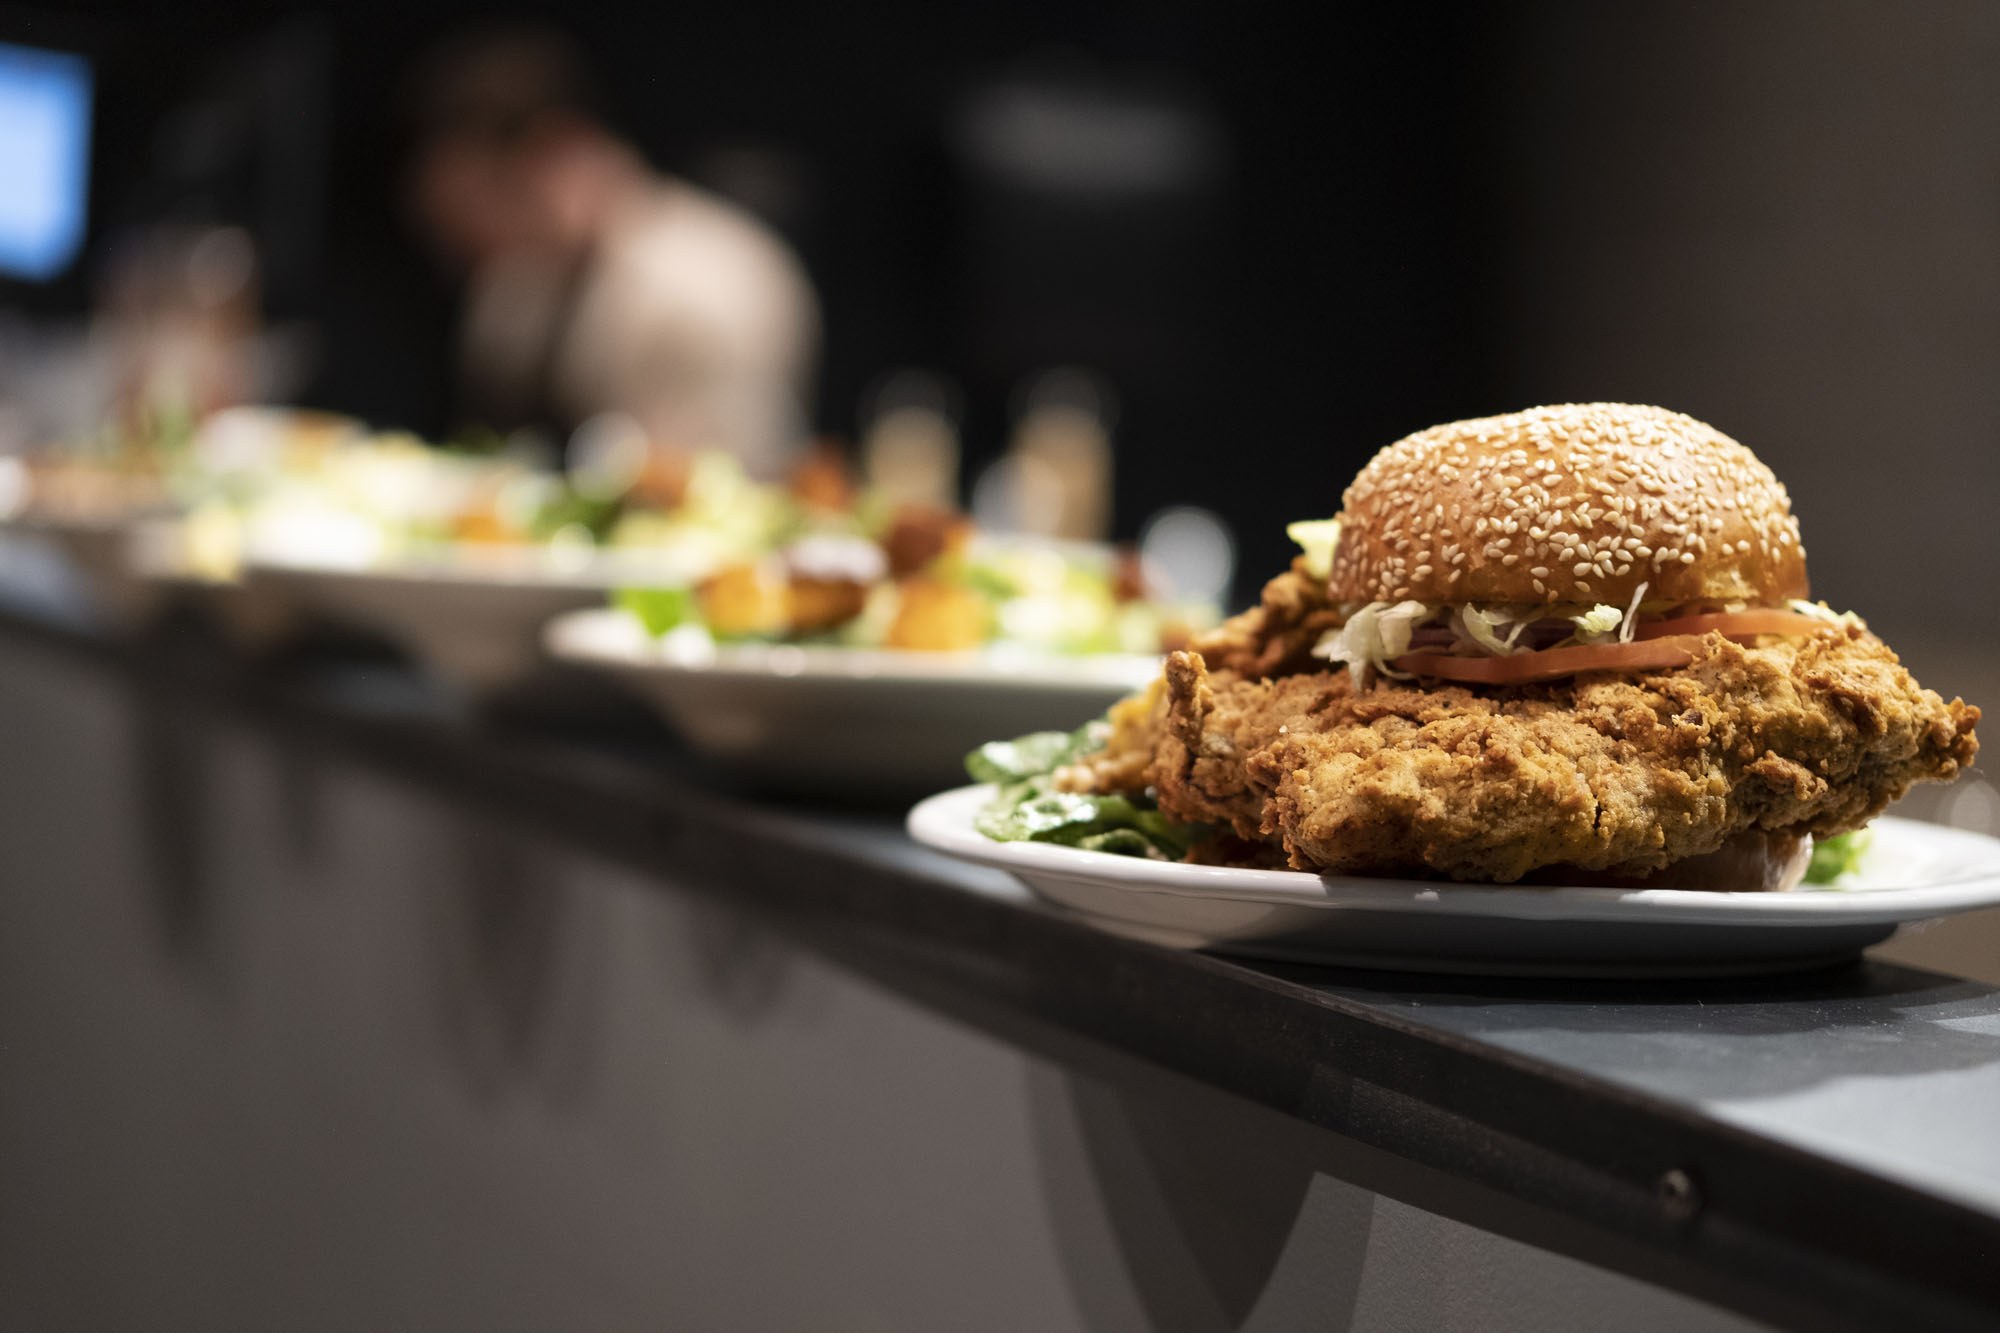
[
  {"x": 1318, "y": 538},
  {"x": 1033, "y": 755},
  {"x": 1835, "y": 857},
  {"x": 568, "y": 509},
  {"x": 1026, "y": 807},
  {"x": 658, "y": 609}
]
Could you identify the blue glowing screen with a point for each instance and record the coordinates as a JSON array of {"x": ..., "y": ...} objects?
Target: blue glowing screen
[{"x": 44, "y": 160}]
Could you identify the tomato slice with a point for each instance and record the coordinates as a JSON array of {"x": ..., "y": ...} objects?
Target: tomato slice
[
  {"x": 1733, "y": 624},
  {"x": 1554, "y": 663}
]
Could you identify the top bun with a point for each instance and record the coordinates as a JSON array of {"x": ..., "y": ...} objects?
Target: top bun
[{"x": 1578, "y": 503}]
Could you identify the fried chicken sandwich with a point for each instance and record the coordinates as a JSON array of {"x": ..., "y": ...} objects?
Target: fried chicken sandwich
[{"x": 1565, "y": 645}]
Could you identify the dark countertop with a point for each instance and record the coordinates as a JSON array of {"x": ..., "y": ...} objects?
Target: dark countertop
[{"x": 1816, "y": 1150}]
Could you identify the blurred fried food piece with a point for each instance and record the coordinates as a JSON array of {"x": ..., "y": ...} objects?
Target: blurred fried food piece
[
  {"x": 483, "y": 526},
  {"x": 919, "y": 535},
  {"x": 937, "y": 617},
  {"x": 1128, "y": 576},
  {"x": 662, "y": 482},
  {"x": 823, "y": 480},
  {"x": 816, "y": 605},
  {"x": 745, "y": 600}
]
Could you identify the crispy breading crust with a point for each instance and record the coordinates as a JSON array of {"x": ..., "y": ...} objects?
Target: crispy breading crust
[
  {"x": 1276, "y": 636},
  {"x": 1604, "y": 772},
  {"x": 1623, "y": 774}
]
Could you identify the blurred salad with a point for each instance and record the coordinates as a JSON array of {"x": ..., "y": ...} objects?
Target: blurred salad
[
  {"x": 812, "y": 559},
  {"x": 817, "y": 563},
  {"x": 124, "y": 469},
  {"x": 915, "y": 579}
]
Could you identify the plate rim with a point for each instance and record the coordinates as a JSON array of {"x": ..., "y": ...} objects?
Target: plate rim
[
  {"x": 537, "y": 572},
  {"x": 819, "y": 663},
  {"x": 942, "y": 822}
]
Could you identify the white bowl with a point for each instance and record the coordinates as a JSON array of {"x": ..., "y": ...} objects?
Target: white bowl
[
  {"x": 93, "y": 549},
  {"x": 472, "y": 614},
  {"x": 845, "y": 719},
  {"x": 253, "y": 618}
]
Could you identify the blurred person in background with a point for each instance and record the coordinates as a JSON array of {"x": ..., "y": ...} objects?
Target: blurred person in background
[
  {"x": 178, "y": 317},
  {"x": 594, "y": 284}
]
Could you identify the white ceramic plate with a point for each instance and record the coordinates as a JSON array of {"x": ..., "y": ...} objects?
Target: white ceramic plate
[
  {"x": 473, "y": 614},
  {"x": 254, "y": 618},
  {"x": 845, "y": 719},
  {"x": 92, "y": 549},
  {"x": 1913, "y": 872}
]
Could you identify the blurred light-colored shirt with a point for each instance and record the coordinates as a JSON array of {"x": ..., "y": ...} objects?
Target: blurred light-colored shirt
[{"x": 688, "y": 315}]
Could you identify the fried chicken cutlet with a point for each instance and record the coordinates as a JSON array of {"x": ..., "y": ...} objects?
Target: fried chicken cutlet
[{"x": 1600, "y": 772}]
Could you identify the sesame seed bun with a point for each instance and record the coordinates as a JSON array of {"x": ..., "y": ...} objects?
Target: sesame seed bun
[{"x": 1578, "y": 503}]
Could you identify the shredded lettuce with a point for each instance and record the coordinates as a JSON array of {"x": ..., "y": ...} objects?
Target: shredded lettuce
[
  {"x": 1608, "y": 624},
  {"x": 1376, "y": 634},
  {"x": 1597, "y": 624},
  {"x": 1631, "y": 619},
  {"x": 1821, "y": 611},
  {"x": 1373, "y": 636},
  {"x": 1318, "y": 537},
  {"x": 1837, "y": 857},
  {"x": 1397, "y": 624},
  {"x": 1379, "y": 632},
  {"x": 1026, "y": 807},
  {"x": 1482, "y": 625}
]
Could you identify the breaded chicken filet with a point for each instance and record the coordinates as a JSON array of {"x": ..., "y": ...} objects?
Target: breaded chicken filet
[{"x": 1598, "y": 772}]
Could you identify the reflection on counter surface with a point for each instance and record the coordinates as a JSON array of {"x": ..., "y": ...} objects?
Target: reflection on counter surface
[{"x": 498, "y": 517}]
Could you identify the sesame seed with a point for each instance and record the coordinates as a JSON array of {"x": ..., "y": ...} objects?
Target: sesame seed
[{"x": 1593, "y": 485}]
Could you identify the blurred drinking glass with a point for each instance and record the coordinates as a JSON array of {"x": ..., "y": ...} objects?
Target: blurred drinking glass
[
  {"x": 1062, "y": 450},
  {"x": 910, "y": 446}
]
